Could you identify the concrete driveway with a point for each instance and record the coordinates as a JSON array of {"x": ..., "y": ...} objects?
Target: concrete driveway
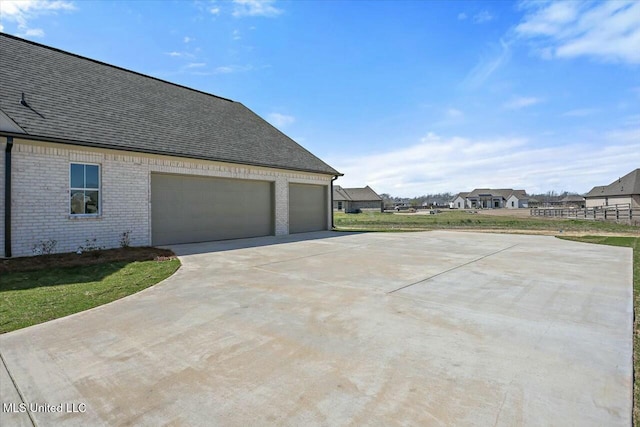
[{"x": 433, "y": 328}]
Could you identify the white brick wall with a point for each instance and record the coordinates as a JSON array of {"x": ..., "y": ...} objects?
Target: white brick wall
[{"x": 41, "y": 194}]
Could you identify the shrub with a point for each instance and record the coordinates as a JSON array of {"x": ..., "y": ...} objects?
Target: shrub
[
  {"x": 125, "y": 239},
  {"x": 44, "y": 247}
]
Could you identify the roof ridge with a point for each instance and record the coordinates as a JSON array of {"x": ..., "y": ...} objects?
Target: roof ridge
[{"x": 112, "y": 66}]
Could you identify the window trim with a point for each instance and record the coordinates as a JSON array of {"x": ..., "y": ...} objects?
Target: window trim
[{"x": 98, "y": 189}]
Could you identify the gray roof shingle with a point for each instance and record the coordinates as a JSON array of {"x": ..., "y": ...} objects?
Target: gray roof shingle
[
  {"x": 86, "y": 102},
  {"x": 365, "y": 194},
  {"x": 625, "y": 186},
  {"x": 504, "y": 193}
]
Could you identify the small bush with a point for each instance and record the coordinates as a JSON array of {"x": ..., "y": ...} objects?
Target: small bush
[
  {"x": 125, "y": 239},
  {"x": 44, "y": 247},
  {"x": 90, "y": 245}
]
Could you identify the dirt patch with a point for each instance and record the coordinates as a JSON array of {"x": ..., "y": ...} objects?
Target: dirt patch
[
  {"x": 517, "y": 213},
  {"x": 41, "y": 262}
]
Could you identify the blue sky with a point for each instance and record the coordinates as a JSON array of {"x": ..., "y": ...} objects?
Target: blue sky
[{"x": 408, "y": 97}]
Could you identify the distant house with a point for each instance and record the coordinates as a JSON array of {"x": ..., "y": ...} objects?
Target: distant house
[
  {"x": 623, "y": 191},
  {"x": 352, "y": 199},
  {"x": 460, "y": 201},
  {"x": 533, "y": 203},
  {"x": 517, "y": 199},
  {"x": 486, "y": 198},
  {"x": 573, "y": 201}
]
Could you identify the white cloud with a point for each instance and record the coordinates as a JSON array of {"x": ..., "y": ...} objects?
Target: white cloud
[
  {"x": 227, "y": 69},
  {"x": 235, "y": 35},
  {"x": 22, "y": 11},
  {"x": 34, "y": 32},
  {"x": 454, "y": 113},
  {"x": 482, "y": 17},
  {"x": 196, "y": 65},
  {"x": 187, "y": 39},
  {"x": 581, "y": 112},
  {"x": 521, "y": 102},
  {"x": 439, "y": 164},
  {"x": 280, "y": 120},
  {"x": 214, "y": 10},
  {"x": 487, "y": 66},
  {"x": 255, "y": 8},
  {"x": 462, "y": 16},
  {"x": 174, "y": 53},
  {"x": 608, "y": 31}
]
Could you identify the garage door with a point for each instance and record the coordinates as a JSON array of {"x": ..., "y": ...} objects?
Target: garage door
[
  {"x": 187, "y": 209},
  {"x": 307, "y": 208}
]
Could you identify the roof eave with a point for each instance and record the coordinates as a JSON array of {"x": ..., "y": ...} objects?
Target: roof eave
[{"x": 157, "y": 152}]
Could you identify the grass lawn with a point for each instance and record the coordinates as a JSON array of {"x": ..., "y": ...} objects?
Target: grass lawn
[
  {"x": 631, "y": 242},
  {"x": 377, "y": 221},
  {"x": 45, "y": 293}
]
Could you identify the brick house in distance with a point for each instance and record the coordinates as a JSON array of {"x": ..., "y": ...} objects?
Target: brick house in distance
[
  {"x": 352, "y": 199},
  {"x": 623, "y": 191}
]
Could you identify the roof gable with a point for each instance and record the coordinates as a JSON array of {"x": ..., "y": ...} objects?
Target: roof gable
[
  {"x": 625, "y": 186},
  {"x": 355, "y": 194},
  {"x": 80, "y": 101}
]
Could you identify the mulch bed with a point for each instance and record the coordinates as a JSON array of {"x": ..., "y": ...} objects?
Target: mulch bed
[{"x": 42, "y": 262}]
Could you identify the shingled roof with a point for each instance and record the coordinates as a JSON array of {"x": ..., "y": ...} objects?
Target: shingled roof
[
  {"x": 365, "y": 194},
  {"x": 625, "y": 186},
  {"x": 76, "y": 100},
  {"x": 504, "y": 193}
]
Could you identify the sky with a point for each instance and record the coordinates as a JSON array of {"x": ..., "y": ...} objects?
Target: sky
[{"x": 408, "y": 97}]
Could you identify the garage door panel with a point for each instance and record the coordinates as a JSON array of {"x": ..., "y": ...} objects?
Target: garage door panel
[
  {"x": 188, "y": 209},
  {"x": 308, "y": 208}
]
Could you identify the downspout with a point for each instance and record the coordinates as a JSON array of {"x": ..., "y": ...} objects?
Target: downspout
[
  {"x": 7, "y": 197},
  {"x": 332, "y": 179}
]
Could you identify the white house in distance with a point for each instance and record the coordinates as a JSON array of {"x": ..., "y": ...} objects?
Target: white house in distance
[
  {"x": 486, "y": 198},
  {"x": 623, "y": 191},
  {"x": 90, "y": 151}
]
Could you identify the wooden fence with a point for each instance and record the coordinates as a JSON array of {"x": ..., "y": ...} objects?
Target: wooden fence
[{"x": 618, "y": 213}]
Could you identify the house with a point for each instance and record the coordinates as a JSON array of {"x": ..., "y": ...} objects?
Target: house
[
  {"x": 486, "y": 198},
  {"x": 533, "y": 203},
  {"x": 460, "y": 201},
  {"x": 518, "y": 199},
  {"x": 623, "y": 191},
  {"x": 352, "y": 199},
  {"x": 573, "y": 201},
  {"x": 91, "y": 151}
]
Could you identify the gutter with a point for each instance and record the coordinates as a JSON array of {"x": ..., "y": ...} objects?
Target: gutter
[
  {"x": 333, "y": 179},
  {"x": 7, "y": 197}
]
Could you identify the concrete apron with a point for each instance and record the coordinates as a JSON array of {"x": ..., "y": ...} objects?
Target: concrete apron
[{"x": 433, "y": 328}]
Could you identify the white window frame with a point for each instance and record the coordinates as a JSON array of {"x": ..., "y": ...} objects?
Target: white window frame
[{"x": 99, "y": 190}]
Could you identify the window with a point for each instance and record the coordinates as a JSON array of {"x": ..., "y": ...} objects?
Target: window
[
  {"x": 339, "y": 206},
  {"x": 512, "y": 204},
  {"x": 85, "y": 189}
]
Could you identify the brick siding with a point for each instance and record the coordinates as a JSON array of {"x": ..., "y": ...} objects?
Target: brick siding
[{"x": 41, "y": 194}]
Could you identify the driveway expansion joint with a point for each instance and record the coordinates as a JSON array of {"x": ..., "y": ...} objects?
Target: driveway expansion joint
[
  {"x": 15, "y": 386},
  {"x": 452, "y": 269}
]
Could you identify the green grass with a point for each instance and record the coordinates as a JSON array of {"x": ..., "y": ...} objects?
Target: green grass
[
  {"x": 377, "y": 221},
  {"x": 634, "y": 243},
  {"x": 31, "y": 297}
]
